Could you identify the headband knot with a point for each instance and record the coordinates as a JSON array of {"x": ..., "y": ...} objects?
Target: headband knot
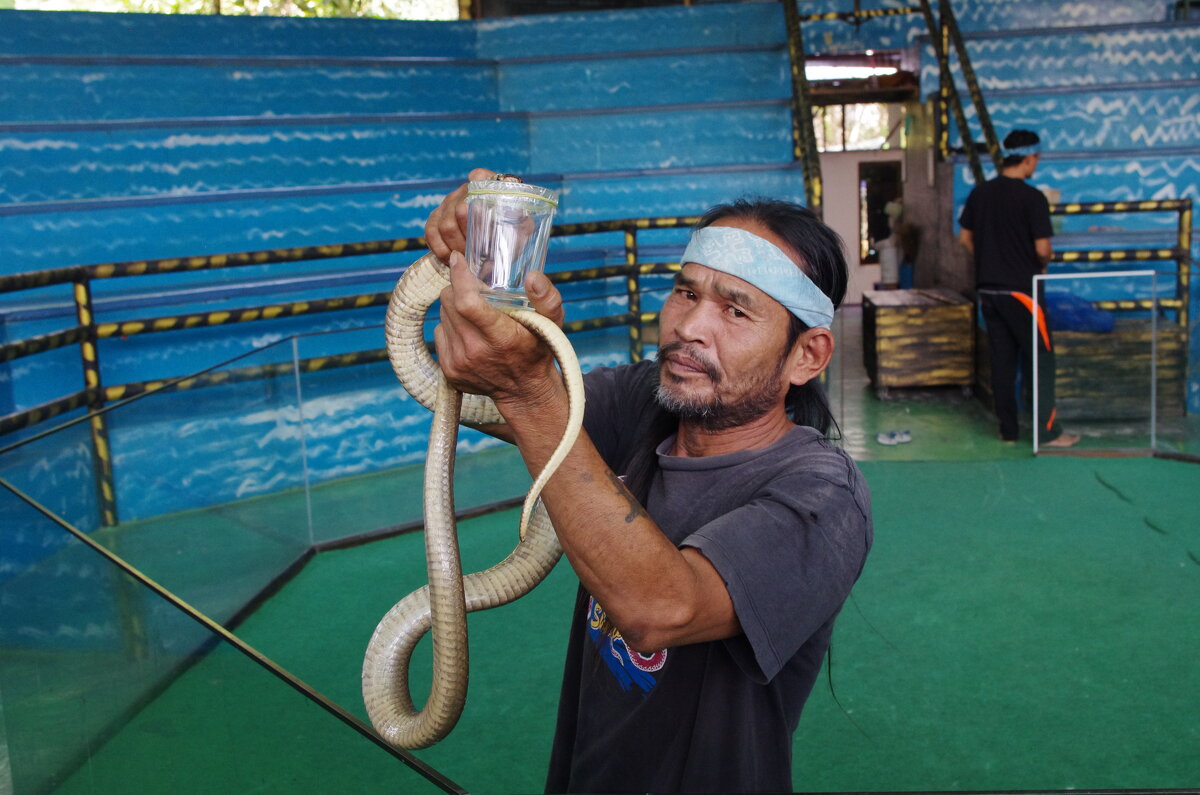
[{"x": 750, "y": 258}]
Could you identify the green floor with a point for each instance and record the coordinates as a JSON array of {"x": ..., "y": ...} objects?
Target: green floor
[
  {"x": 1023, "y": 623},
  {"x": 1005, "y": 639},
  {"x": 948, "y": 424}
]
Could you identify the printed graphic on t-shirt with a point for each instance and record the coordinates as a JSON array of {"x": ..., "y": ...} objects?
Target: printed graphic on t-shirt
[{"x": 629, "y": 667}]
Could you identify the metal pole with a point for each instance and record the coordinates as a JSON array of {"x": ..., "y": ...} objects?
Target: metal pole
[
  {"x": 101, "y": 452},
  {"x": 1154, "y": 362},
  {"x": 964, "y": 61},
  {"x": 804, "y": 139},
  {"x": 633, "y": 292},
  {"x": 937, "y": 35},
  {"x": 1033, "y": 317},
  {"x": 1184, "y": 279}
]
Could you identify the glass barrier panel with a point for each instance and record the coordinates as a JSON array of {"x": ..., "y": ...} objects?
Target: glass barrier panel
[
  {"x": 207, "y": 492},
  {"x": 366, "y": 437},
  {"x": 1117, "y": 360},
  {"x": 109, "y": 687},
  {"x": 58, "y": 469},
  {"x": 319, "y": 624},
  {"x": 1177, "y": 433},
  {"x": 29, "y": 381},
  {"x": 210, "y": 481},
  {"x": 361, "y": 431}
]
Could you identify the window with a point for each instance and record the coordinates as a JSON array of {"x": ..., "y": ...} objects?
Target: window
[{"x": 842, "y": 128}]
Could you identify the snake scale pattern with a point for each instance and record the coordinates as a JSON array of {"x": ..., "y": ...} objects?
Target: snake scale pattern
[{"x": 442, "y": 605}]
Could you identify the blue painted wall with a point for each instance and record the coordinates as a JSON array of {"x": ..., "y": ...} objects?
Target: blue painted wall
[
  {"x": 133, "y": 137},
  {"x": 129, "y": 137}
]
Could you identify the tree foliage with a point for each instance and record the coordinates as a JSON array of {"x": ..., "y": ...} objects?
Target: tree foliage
[
  {"x": 383, "y": 9},
  {"x": 388, "y": 9}
]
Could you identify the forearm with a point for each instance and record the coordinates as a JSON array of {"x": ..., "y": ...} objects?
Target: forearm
[
  {"x": 1045, "y": 252},
  {"x": 967, "y": 238},
  {"x": 655, "y": 594}
]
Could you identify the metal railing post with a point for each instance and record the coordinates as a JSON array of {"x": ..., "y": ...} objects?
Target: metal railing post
[
  {"x": 942, "y": 119},
  {"x": 804, "y": 138},
  {"x": 938, "y": 34},
  {"x": 950, "y": 24},
  {"x": 633, "y": 292},
  {"x": 89, "y": 333},
  {"x": 1183, "y": 263},
  {"x": 89, "y": 352},
  {"x": 1154, "y": 362}
]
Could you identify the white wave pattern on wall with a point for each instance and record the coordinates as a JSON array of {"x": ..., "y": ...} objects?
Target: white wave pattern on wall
[{"x": 1145, "y": 55}]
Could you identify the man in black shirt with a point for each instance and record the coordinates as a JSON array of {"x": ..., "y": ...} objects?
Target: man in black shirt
[{"x": 1006, "y": 227}]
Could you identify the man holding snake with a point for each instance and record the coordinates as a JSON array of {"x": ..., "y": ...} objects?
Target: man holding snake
[{"x": 716, "y": 532}]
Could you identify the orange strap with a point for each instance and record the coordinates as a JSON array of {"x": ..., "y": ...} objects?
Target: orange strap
[{"x": 1035, "y": 310}]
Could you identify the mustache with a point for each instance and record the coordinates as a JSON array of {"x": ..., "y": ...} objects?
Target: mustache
[{"x": 702, "y": 361}]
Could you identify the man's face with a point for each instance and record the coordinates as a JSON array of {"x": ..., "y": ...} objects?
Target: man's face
[{"x": 722, "y": 345}]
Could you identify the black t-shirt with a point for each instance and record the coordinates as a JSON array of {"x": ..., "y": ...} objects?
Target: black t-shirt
[
  {"x": 788, "y": 527},
  {"x": 1006, "y": 216}
]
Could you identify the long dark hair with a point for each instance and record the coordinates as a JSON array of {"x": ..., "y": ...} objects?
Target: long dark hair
[{"x": 821, "y": 252}]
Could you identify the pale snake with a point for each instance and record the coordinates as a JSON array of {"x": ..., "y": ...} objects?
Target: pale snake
[{"x": 443, "y": 604}]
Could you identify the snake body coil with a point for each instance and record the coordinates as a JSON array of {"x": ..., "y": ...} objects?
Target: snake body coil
[{"x": 442, "y": 605}]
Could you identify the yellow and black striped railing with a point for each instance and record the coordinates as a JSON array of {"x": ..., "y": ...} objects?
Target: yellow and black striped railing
[
  {"x": 90, "y": 330},
  {"x": 47, "y": 278},
  {"x": 1138, "y": 206},
  {"x": 94, "y": 395},
  {"x": 804, "y": 137},
  {"x": 944, "y": 34},
  {"x": 804, "y": 140},
  {"x": 954, "y": 36},
  {"x": 130, "y": 328},
  {"x": 1119, "y": 255},
  {"x": 1180, "y": 254},
  {"x": 859, "y": 15}
]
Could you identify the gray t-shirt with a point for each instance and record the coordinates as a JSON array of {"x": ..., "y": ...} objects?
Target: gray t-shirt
[{"x": 788, "y": 527}]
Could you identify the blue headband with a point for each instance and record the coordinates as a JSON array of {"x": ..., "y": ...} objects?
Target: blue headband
[
  {"x": 1023, "y": 151},
  {"x": 747, "y": 256}
]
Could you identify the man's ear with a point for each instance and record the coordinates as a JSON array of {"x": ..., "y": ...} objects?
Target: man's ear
[{"x": 810, "y": 355}]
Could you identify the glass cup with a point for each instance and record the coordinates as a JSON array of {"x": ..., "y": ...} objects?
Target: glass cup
[{"x": 508, "y": 229}]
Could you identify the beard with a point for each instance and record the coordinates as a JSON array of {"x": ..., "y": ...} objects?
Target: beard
[{"x": 720, "y": 410}]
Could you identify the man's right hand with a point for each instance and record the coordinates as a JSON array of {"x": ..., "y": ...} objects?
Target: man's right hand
[{"x": 446, "y": 229}]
